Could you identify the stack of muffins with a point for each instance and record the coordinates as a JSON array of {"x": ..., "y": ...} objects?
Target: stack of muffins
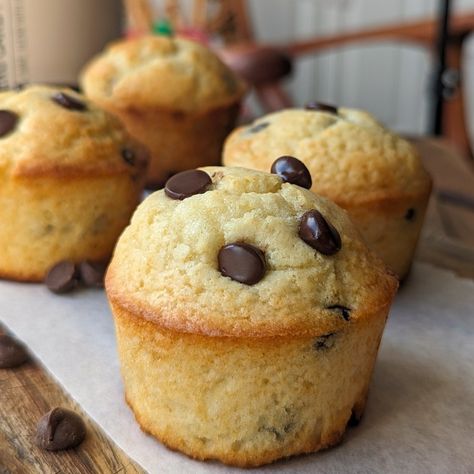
[{"x": 249, "y": 307}]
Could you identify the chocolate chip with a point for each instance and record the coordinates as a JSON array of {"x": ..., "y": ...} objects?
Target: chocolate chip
[
  {"x": 62, "y": 277},
  {"x": 356, "y": 417},
  {"x": 8, "y": 121},
  {"x": 187, "y": 183},
  {"x": 324, "y": 342},
  {"x": 342, "y": 310},
  {"x": 92, "y": 273},
  {"x": 60, "y": 429},
  {"x": 12, "y": 353},
  {"x": 258, "y": 127},
  {"x": 410, "y": 214},
  {"x": 242, "y": 262},
  {"x": 292, "y": 170},
  {"x": 317, "y": 232},
  {"x": 68, "y": 102},
  {"x": 128, "y": 156},
  {"x": 321, "y": 107}
]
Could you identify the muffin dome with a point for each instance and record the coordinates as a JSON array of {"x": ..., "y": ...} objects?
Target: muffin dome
[
  {"x": 350, "y": 155},
  {"x": 58, "y": 132},
  {"x": 166, "y": 263},
  {"x": 158, "y": 71},
  {"x": 375, "y": 175}
]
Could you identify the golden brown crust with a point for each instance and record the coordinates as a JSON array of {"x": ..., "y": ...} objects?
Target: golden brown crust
[
  {"x": 384, "y": 203},
  {"x": 165, "y": 264},
  {"x": 70, "y": 172},
  {"x": 48, "y": 220},
  {"x": 174, "y": 443},
  {"x": 301, "y": 398},
  {"x": 22, "y": 275},
  {"x": 193, "y": 323},
  {"x": 389, "y": 229}
]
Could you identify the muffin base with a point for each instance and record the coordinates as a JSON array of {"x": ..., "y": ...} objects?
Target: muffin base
[
  {"x": 46, "y": 220},
  {"x": 392, "y": 228},
  {"x": 245, "y": 401},
  {"x": 178, "y": 141}
]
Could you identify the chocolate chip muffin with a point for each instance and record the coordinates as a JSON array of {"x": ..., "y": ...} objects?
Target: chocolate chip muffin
[
  {"x": 71, "y": 177},
  {"x": 248, "y": 315},
  {"x": 356, "y": 162},
  {"x": 174, "y": 95}
]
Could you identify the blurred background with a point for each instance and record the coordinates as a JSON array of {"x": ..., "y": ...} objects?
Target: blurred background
[
  {"x": 380, "y": 55},
  {"x": 392, "y": 73},
  {"x": 391, "y": 79}
]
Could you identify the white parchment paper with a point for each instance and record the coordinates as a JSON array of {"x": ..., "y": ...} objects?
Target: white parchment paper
[{"x": 420, "y": 415}]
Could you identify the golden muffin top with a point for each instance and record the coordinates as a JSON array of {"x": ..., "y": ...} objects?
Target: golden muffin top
[
  {"x": 47, "y": 131},
  {"x": 235, "y": 252},
  {"x": 163, "y": 72},
  {"x": 352, "y": 157}
]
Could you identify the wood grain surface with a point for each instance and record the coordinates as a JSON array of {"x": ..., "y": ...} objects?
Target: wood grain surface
[
  {"x": 27, "y": 392},
  {"x": 447, "y": 240}
]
